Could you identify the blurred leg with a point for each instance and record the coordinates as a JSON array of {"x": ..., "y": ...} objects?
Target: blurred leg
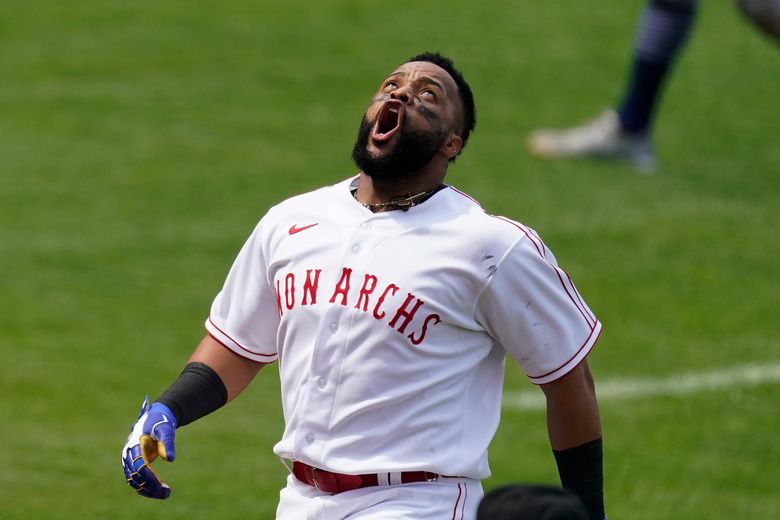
[
  {"x": 625, "y": 134},
  {"x": 764, "y": 13},
  {"x": 663, "y": 30}
]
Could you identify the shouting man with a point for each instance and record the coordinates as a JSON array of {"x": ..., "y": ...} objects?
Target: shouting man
[{"x": 390, "y": 301}]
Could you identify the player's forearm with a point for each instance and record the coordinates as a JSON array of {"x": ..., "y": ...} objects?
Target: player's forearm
[
  {"x": 578, "y": 455},
  {"x": 235, "y": 371},
  {"x": 581, "y": 471},
  {"x": 574, "y": 427},
  {"x": 212, "y": 377},
  {"x": 572, "y": 410},
  {"x": 570, "y": 427}
]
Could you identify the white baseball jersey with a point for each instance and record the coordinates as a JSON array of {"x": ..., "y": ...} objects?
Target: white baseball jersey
[{"x": 391, "y": 328}]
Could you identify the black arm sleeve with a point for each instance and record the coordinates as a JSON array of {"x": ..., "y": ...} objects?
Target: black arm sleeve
[
  {"x": 581, "y": 471},
  {"x": 197, "y": 392}
]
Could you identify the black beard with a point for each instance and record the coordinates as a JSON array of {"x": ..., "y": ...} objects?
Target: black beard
[{"x": 411, "y": 153}]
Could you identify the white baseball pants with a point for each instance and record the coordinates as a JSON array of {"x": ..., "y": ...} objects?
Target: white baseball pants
[{"x": 445, "y": 499}]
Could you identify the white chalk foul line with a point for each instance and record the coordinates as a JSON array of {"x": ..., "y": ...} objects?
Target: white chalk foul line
[{"x": 675, "y": 385}]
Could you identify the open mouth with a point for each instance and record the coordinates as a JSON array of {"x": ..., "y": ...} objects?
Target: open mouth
[{"x": 388, "y": 121}]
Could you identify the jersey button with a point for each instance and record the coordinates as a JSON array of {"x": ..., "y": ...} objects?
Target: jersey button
[
  {"x": 333, "y": 327},
  {"x": 309, "y": 438},
  {"x": 356, "y": 249},
  {"x": 322, "y": 382}
]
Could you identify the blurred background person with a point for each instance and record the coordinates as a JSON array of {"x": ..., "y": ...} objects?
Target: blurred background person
[
  {"x": 531, "y": 502},
  {"x": 764, "y": 13},
  {"x": 625, "y": 132}
]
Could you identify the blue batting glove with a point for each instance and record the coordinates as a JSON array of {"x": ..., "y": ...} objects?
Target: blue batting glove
[{"x": 153, "y": 434}]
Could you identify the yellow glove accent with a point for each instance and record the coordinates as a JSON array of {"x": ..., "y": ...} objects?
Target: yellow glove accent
[{"x": 150, "y": 450}]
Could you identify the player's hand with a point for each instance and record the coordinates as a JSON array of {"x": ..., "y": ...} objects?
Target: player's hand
[{"x": 153, "y": 434}]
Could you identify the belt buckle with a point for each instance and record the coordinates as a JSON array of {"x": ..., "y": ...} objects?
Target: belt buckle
[
  {"x": 314, "y": 478},
  {"x": 430, "y": 477}
]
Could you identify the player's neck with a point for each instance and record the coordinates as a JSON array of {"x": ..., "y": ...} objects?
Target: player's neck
[
  {"x": 399, "y": 203},
  {"x": 373, "y": 192}
]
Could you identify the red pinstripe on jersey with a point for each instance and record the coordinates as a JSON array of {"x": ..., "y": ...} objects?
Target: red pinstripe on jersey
[
  {"x": 457, "y": 501},
  {"x": 239, "y": 345},
  {"x": 563, "y": 276},
  {"x": 590, "y": 341},
  {"x": 592, "y": 321},
  {"x": 537, "y": 242},
  {"x": 472, "y": 199},
  {"x": 465, "y": 497}
]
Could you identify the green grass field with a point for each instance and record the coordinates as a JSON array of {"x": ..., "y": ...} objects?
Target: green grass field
[{"x": 140, "y": 142}]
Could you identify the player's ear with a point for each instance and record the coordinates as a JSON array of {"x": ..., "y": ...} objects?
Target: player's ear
[{"x": 452, "y": 145}]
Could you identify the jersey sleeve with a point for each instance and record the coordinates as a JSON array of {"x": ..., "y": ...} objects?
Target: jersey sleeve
[
  {"x": 244, "y": 315},
  {"x": 532, "y": 308}
]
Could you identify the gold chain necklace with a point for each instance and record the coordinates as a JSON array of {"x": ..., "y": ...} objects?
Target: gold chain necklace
[{"x": 402, "y": 203}]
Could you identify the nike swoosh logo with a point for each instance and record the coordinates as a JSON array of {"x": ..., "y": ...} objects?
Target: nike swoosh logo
[
  {"x": 155, "y": 425},
  {"x": 295, "y": 229}
]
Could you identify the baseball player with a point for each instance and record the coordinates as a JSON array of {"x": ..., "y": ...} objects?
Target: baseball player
[{"x": 390, "y": 301}]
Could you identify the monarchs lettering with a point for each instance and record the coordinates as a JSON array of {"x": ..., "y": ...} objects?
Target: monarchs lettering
[{"x": 404, "y": 313}]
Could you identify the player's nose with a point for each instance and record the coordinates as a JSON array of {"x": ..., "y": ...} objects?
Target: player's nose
[{"x": 402, "y": 93}]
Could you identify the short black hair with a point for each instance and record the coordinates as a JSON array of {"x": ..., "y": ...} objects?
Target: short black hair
[{"x": 469, "y": 112}]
